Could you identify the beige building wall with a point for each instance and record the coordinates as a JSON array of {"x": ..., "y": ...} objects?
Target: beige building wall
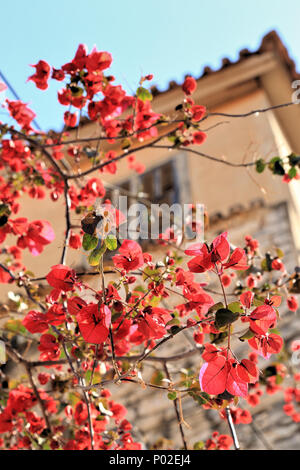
[{"x": 218, "y": 186}]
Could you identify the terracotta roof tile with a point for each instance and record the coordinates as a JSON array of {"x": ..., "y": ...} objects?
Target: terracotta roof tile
[{"x": 271, "y": 42}]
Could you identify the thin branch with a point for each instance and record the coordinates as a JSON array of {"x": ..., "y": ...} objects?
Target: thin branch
[
  {"x": 119, "y": 157},
  {"x": 260, "y": 435},
  {"x": 174, "y": 358},
  {"x": 205, "y": 155},
  {"x": 68, "y": 222},
  {"x": 250, "y": 113},
  {"x": 175, "y": 404}
]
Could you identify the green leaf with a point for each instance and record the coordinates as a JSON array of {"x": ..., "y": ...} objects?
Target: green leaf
[
  {"x": 260, "y": 165},
  {"x": 248, "y": 335},
  {"x": 154, "y": 274},
  {"x": 225, "y": 317},
  {"x": 172, "y": 395},
  {"x": 89, "y": 242},
  {"x": 235, "y": 307},
  {"x": 201, "y": 398},
  {"x": 143, "y": 94},
  {"x": 154, "y": 302},
  {"x": 95, "y": 256},
  {"x": 126, "y": 144},
  {"x": 279, "y": 379},
  {"x": 257, "y": 302},
  {"x": 279, "y": 253},
  {"x": 292, "y": 172},
  {"x": 174, "y": 321},
  {"x": 4, "y": 210},
  {"x": 111, "y": 242},
  {"x": 215, "y": 307},
  {"x": 199, "y": 445},
  {"x": 157, "y": 378}
]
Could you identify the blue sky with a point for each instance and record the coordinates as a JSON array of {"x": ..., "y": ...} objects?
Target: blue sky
[{"x": 168, "y": 38}]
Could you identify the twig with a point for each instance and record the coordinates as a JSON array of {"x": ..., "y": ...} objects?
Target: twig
[
  {"x": 68, "y": 222},
  {"x": 175, "y": 403},
  {"x": 260, "y": 435}
]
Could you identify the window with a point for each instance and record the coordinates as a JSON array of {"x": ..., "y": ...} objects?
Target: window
[{"x": 167, "y": 183}]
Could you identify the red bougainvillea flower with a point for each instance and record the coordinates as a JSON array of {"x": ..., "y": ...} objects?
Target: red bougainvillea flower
[
  {"x": 56, "y": 314},
  {"x": 202, "y": 262},
  {"x": 40, "y": 78},
  {"x": 75, "y": 241},
  {"x": 295, "y": 346},
  {"x": 58, "y": 75},
  {"x": 70, "y": 119},
  {"x": 206, "y": 256},
  {"x": 278, "y": 265},
  {"x": 81, "y": 413},
  {"x": 199, "y": 137},
  {"x": 98, "y": 61},
  {"x": 92, "y": 190},
  {"x": 247, "y": 371},
  {"x": 189, "y": 85},
  {"x": 292, "y": 303},
  {"x": 131, "y": 256},
  {"x": 210, "y": 352},
  {"x": 262, "y": 318},
  {"x": 226, "y": 280},
  {"x": 6, "y": 423},
  {"x": 237, "y": 260},
  {"x": 238, "y": 415},
  {"x": 37, "y": 423},
  {"x": 198, "y": 336},
  {"x": 75, "y": 305},
  {"x": 39, "y": 234},
  {"x": 198, "y": 112},
  {"x": 219, "y": 375},
  {"x": 20, "y": 399},
  {"x": 94, "y": 321},
  {"x": 43, "y": 378},
  {"x": 49, "y": 347},
  {"x": 246, "y": 298},
  {"x": 5, "y": 277},
  {"x": 251, "y": 243},
  {"x": 152, "y": 324},
  {"x": 61, "y": 277},
  {"x": 266, "y": 345},
  {"x": 21, "y": 113},
  {"x": 219, "y": 442},
  {"x": 35, "y": 322},
  {"x": 199, "y": 300}
]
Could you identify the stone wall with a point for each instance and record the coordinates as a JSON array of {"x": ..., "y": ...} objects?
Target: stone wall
[{"x": 153, "y": 414}]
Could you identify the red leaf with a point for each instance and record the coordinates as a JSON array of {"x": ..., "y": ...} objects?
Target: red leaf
[
  {"x": 213, "y": 376},
  {"x": 235, "y": 385},
  {"x": 247, "y": 371}
]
